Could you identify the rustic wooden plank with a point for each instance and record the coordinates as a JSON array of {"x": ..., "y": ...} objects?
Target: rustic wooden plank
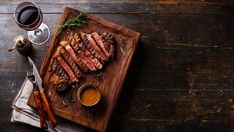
[
  {"x": 214, "y": 31},
  {"x": 161, "y": 125},
  {"x": 174, "y": 111},
  {"x": 196, "y": 31},
  {"x": 176, "y": 105},
  {"x": 132, "y": 7}
]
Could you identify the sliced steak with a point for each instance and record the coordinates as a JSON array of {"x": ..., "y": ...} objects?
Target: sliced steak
[
  {"x": 59, "y": 77},
  {"x": 71, "y": 63},
  {"x": 95, "y": 46},
  {"x": 90, "y": 48},
  {"x": 53, "y": 66},
  {"x": 59, "y": 83},
  {"x": 80, "y": 54},
  {"x": 109, "y": 42},
  {"x": 87, "y": 53},
  {"x": 99, "y": 41},
  {"x": 68, "y": 70},
  {"x": 72, "y": 53}
]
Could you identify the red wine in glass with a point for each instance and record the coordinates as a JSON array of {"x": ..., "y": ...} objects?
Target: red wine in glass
[{"x": 28, "y": 16}]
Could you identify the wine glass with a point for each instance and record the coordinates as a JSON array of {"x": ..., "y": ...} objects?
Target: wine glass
[{"x": 28, "y": 16}]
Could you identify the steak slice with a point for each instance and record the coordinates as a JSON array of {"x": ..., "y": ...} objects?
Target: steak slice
[
  {"x": 89, "y": 47},
  {"x": 72, "y": 53},
  {"x": 66, "y": 67},
  {"x": 97, "y": 38},
  {"x": 95, "y": 46},
  {"x": 59, "y": 77},
  {"x": 59, "y": 83},
  {"x": 109, "y": 42},
  {"x": 90, "y": 56},
  {"x": 71, "y": 63},
  {"x": 80, "y": 54},
  {"x": 53, "y": 66}
]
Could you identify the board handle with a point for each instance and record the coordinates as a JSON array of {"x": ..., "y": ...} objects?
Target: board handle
[
  {"x": 40, "y": 110},
  {"x": 48, "y": 109}
]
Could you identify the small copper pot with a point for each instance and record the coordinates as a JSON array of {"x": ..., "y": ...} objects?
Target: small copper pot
[{"x": 85, "y": 92}]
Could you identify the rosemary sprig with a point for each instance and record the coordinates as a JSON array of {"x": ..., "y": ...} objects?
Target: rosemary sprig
[
  {"x": 72, "y": 23},
  {"x": 78, "y": 21}
]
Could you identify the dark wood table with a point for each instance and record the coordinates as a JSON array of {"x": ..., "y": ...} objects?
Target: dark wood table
[{"x": 181, "y": 77}]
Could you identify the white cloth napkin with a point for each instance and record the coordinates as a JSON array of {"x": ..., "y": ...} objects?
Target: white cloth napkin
[{"x": 22, "y": 113}]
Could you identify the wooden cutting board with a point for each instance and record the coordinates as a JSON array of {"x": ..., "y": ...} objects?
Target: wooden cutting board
[{"x": 109, "y": 80}]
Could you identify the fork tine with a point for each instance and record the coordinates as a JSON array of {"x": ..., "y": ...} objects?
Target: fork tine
[
  {"x": 31, "y": 74},
  {"x": 27, "y": 73}
]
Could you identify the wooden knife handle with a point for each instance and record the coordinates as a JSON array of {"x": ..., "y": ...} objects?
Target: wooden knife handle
[
  {"x": 48, "y": 109},
  {"x": 40, "y": 110}
]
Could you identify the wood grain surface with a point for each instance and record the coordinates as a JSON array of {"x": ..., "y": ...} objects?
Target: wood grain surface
[{"x": 181, "y": 78}]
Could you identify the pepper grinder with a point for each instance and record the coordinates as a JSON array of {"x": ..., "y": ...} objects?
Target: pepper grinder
[{"x": 22, "y": 44}]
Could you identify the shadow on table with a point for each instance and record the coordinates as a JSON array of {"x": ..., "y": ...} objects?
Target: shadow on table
[{"x": 128, "y": 90}]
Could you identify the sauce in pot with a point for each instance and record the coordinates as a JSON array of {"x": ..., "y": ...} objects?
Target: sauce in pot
[{"x": 89, "y": 96}]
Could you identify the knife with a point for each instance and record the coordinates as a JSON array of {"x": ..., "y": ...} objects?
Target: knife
[{"x": 42, "y": 93}]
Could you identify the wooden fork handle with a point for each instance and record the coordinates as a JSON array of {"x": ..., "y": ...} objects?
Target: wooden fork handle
[
  {"x": 40, "y": 110},
  {"x": 48, "y": 109}
]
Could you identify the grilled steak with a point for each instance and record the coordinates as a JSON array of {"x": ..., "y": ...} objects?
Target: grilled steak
[
  {"x": 81, "y": 53},
  {"x": 108, "y": 40},
  {"x": 100, "y": 43},
  {"x": 59, "y": 83},
  {"x": 67, "y": 69},
  {"x": 72, "y": 53},
  {"x": 89, "y": 47},
  {"x": 90, "y": 56},
  {"x": 95, "y": 46},
  {"x": 59, "y": 77},
  {"x": 71, "y": 63},
  {"x": 53, "y": 66}
]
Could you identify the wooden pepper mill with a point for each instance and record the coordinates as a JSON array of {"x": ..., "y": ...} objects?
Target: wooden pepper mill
[{"x": 22, "y": 44}]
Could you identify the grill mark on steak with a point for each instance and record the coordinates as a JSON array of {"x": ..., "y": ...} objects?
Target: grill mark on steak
[
  {"x": 62, "y": 86},
  {"x": 57, "y": 69},
  {"x": 97, "y": 38},
  {"x": 71, "y": 63},
  {"x": 59, "y": 83},
  {"x": 66, "y": 67},
  {"x": 59, "y": 77},
  {"x": 81, "y": 54},
  {"x": 90, "y": 48},
  {"x": 90, "y": 56},
  {"x": 53, "y": 66},
  {"x": 108, "y": 41},
  {"x": 95, "y": 46},
  {"x": 72, "y": 53}
]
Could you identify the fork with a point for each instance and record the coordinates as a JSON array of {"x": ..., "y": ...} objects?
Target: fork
[{"x": 37, "y": 98}]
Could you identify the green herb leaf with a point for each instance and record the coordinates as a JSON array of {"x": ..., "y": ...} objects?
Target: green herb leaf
[{"x": 78, "y": 21}]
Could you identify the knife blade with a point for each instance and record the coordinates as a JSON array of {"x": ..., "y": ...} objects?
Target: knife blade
[
  {"x": 36, "y": 74},
  {"x": 42, "y": 93}
]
